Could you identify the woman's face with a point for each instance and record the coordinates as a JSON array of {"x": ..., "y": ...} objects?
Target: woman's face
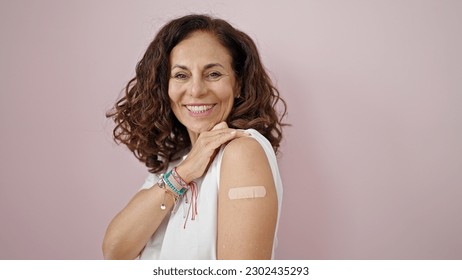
[{"x": 202, "y": 84}]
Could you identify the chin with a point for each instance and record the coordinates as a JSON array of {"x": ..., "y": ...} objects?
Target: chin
[{"x": 199, "y": 128}]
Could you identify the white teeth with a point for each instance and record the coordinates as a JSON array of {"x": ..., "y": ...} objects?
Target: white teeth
[{"x": 199, "y": 109}]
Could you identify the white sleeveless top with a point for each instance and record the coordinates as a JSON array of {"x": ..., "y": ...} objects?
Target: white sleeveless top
[{"x": 198, "y": 240}]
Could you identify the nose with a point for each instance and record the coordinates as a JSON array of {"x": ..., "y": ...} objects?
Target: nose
[{"x": 198, "y": 87}]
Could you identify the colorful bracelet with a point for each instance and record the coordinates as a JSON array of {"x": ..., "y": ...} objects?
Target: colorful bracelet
[
  {"x": 179, "y": 190},
  {"x": 178, "y": 179}
]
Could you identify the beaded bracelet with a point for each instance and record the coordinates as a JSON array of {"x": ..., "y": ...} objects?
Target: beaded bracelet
[{"x": 178, "y": 190}]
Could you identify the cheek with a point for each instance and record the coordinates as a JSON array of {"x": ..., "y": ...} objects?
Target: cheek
[
  {"x": 226, "y": 92},
  {"x": 173, "y": 93},
  {"x": 227, "y": 101}
]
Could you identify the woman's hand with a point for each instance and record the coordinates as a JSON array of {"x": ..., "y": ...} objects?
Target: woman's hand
[{"x": 205, "y": 149}]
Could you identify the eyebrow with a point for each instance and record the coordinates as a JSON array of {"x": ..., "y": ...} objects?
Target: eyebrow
[{"x": 208, "y": 66}]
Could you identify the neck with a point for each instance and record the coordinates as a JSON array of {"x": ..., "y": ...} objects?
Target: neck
[{"x": 193, "y": 137}]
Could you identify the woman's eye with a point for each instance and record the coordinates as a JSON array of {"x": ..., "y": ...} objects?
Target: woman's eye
[
  {"x": 180, "y": 76},
  {"x": 214, "y": 75}
]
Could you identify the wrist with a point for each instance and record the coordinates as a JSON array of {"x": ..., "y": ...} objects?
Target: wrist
[
  {"x": 179, "y": 186},
  {"x": 184, "y": 174},
  {"x": 173, "y": 184}
]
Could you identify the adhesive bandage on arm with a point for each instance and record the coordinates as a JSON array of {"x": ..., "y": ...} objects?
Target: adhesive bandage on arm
[{"x": 247, "y": 192}]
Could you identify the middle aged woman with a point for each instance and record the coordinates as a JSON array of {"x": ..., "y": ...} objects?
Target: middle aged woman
[{"x": 201, "y": 110}]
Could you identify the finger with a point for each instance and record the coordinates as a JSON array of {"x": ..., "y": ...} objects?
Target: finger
[
  {"x": 211, "y": 135},
  {"x": 215, "y": 132},
  {"x": 225, "y": 136},
  {"x": 242, "y": 133}
]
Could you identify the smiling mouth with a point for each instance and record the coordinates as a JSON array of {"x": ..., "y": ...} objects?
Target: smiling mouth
[{"x": 197, "y": 109}]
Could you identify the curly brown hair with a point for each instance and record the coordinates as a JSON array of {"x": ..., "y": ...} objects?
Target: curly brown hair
[{"x": 143, "y": 116}]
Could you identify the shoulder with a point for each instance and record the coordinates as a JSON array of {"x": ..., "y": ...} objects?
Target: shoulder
[
  {"x": 243, "y": 148},
  {"x": 244, "y": 163}
]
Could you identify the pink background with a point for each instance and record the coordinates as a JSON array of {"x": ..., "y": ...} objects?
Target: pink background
[{"x": 371, "y": 166}]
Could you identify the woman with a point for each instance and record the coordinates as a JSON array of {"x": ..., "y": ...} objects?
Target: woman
[{"x": 201, "y": 110}]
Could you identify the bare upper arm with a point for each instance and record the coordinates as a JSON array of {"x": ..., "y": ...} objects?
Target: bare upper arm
[{"x": 246, "y": 226}]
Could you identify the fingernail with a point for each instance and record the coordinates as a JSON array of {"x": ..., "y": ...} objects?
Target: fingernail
[
  {"x": 245, "y": 132},
  {"x": 233, "y": 132}
]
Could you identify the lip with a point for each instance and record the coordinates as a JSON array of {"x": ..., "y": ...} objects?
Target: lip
[{"x": 199, "y": 110}]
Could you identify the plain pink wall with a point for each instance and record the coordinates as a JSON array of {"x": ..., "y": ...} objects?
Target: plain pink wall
[{"x": 371, "y": 166}]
